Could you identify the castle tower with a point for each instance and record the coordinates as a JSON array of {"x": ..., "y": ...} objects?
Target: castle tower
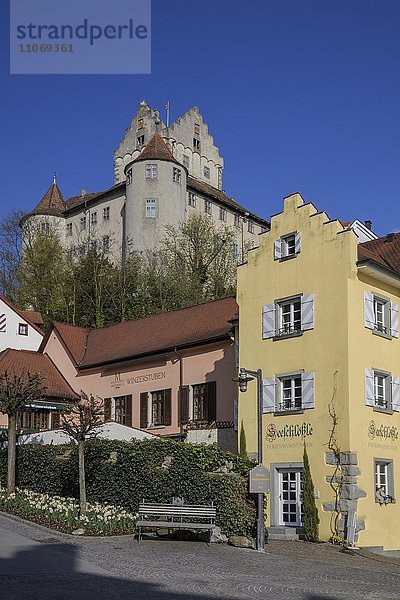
[
  {"x": 46, "y": 217},
  {"x": 155, "y": 194}
]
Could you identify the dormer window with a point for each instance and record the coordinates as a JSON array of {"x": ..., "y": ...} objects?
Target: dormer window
[
  {"x": 140, "y": 124},
  {"x": 287, "y": 246},
  {"x": 140, "y": 141},
  {"x": 196, "y": 143},
  {"x": 196, "y": 129}
]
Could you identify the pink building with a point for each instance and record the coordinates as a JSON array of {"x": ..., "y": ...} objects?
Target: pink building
[{"x": 169, "y": 374}]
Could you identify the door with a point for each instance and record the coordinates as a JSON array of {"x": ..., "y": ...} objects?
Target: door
[{"x": 291, "y": 497}]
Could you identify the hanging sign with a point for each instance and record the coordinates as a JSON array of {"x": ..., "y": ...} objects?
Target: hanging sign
[{"x": 259, "y": 480}]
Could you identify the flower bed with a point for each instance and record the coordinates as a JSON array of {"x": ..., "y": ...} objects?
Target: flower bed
[{"x": 63, "y": 513}]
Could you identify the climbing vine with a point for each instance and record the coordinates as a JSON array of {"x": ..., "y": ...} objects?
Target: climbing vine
[{"x": 337, "y": 479}]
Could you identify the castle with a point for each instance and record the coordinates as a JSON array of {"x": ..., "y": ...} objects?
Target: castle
[{"x": 163, "y": 174}]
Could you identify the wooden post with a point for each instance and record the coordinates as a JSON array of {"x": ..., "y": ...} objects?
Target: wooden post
[{"x": 11, "y": 452}]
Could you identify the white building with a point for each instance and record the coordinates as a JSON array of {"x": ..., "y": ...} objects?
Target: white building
[{"x": 19, "y": 329}]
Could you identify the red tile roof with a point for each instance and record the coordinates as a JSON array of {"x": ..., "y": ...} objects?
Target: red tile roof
[
  {"x": 52, "y": 202},
  {"x": 150, "y": 335},
  {"x": 19, "y": 362},
  {"x": 384, "y": 251},
  {"x": 33, "y": 317},
  {"x": 74, "y": 338},
  {"x": 156, "y": 149}
]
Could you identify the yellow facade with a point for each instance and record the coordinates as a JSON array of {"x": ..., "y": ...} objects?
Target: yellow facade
[{"x": 336, "y": 350}]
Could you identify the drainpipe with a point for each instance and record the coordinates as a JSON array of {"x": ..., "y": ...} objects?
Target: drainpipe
[{"x": 180, "y": 382}]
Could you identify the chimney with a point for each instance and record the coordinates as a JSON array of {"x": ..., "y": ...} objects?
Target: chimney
[
  {"x": 83, "y": 193},
  {"x": 389, "y": 238},
  {"x": 368, "y": 224}
]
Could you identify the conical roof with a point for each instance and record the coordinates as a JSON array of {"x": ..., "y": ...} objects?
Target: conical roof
[
  {"x": 52, "y": 202},
  {"x": 156, "y": 149}
]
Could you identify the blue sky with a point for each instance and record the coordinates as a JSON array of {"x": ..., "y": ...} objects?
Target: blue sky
[{"x": 300, "y": 95}]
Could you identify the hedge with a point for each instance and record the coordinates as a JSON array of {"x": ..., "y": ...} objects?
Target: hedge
[{"x": 123, "y": 473}]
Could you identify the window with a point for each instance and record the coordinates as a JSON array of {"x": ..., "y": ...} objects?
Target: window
[
  {"x": 192, "y": 200},
  {"x": 207, "y": 172},
  {"x": 382, "y": 390},
  {"x": 381, "y": 315},
  {"x": 106, "y": 243},
  {"x": 82, "y": 223},
  {"x": 106, "y": 213},
  {"x": 69, "y": 229},
  {"x": 151, "y": 171},
  {"x": 197, "y": 129},
  {"x": 45, "y": 228},
  {"x": 207, "y": 207},
  {"x": 151, "y": 208},
  {"x": 185, "y": 161},
  {"x": 287, "y": 246},
  {"x": 250, "y": 227},
  {"x": 235, "y": 250},
  {"x": 93, "y": 218},
  {"x": 204, "y": 402},
  {"x": 222, "y": 214},
  {"x": 237, "y": 221},
  {"x": 384, "y": 477},
  {"x": 34, "y": 419},
  {"x": 196, "y": 144},
  {"x": 129, "y": 177},
  {"x": 161, "y": 407},
  {"x": 140, "y": 141},
  {"x": 140, "y": 124},
  {"x": 176, "y": 175},
  {"x": 120, "y": 410},
  {"x": 290, "y": 393},
  {"x": 288, "y": 316},
  {"x": 81, "y": 251},
  {"x": 93, "y": 245},
  {"x": 22, "y": 329}
]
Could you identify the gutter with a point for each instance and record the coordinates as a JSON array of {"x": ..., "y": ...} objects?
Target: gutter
[{"x": 180, "y": 357}]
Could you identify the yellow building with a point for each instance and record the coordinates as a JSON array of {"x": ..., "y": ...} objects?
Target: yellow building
[{"x": 319, "y": 316}]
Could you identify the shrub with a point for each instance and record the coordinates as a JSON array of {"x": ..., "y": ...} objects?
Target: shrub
[
  {"x": 310, "y": 518},
  {"x": 123, "y": 473}
]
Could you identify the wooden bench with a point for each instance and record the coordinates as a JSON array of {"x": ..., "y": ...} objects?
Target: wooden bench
[{"x": 173, "y": 516}]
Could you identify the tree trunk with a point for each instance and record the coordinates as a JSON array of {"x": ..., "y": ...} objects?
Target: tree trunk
[
  {"x": 11, "y": 452},
  {"x": 82, "y": 482}
]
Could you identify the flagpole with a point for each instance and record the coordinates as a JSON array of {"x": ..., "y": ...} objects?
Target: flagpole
[{"x": 167, "y": 107}]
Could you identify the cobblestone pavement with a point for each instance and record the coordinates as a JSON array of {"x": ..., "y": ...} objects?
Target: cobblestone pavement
[{"x": 36, "y": 563}]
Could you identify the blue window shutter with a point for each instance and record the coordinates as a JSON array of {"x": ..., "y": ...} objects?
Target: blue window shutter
[
  {"x": 394, "y": 319},
  {"x": 369, "y": 387},
  {"x": 307, "y": 312},
  {"x": 297, "y": 242},
  {"x": 369, "y": 314},
  {"x": 396, "y": 393},
  {"x": 307, "y": 384},
  {"x": 269, "y": 395},
  {"x": 268, "y": 319},
  {"x": 277, "y": 249}
]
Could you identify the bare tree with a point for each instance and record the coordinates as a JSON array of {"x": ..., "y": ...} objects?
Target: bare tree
[
  {"x": 80, "y": 424},
  {"x": 16, "y": 392}
]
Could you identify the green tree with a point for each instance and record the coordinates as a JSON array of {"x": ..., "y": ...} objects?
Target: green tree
[
  {"x": 310, "y": 510},
  {"x": 10, "y": 253},
  {"x": 242, "y": 443},
  {"x": 16, "y": 392},
  {"x": 43, "y": 278}
]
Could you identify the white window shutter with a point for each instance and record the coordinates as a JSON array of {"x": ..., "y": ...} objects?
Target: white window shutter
[
  {"x": 369, "y": 387},
  {"x": 307, "y": 312},
  {"x": 369, "y": 314},
  {"x": 268, "y": 318},
  {"x": 396, "y": 393},
  {"x": 268, "y": 395},
  {"x": 394, "y": 319},
  {"x": 277, "y": 249},
  {"x": 297, "y": 242},
  {"x": 307, "y": 385}
]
